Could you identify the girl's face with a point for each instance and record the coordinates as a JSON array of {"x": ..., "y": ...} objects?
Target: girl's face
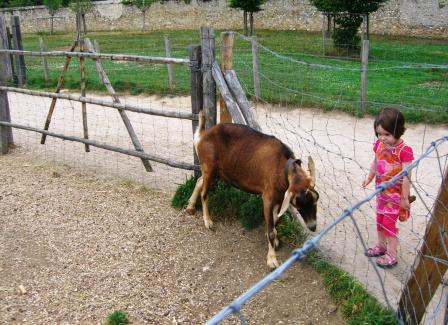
[{"x": 386, "y": 137}]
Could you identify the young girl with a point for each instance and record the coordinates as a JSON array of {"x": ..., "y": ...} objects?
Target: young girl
[{"x": 391, "y": 156}]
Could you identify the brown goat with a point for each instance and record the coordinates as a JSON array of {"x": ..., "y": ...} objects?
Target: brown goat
[{"x": 256, "y": 163}]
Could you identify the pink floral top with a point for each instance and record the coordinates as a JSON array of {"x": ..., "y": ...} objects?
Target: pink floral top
[{"x": 388, "y": 164}]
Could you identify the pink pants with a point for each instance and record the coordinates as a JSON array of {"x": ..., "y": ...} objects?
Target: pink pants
[{"x": 387, "y": 224}]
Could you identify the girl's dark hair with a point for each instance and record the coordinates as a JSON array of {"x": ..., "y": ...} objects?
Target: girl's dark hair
[{"x": 391, "y": 120}]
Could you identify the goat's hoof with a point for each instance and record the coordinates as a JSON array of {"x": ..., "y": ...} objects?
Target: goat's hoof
[
  {"x": 273, "y": 263},
  {"x": 191, "y": 211},
  {"x": 208, "y": 224}
]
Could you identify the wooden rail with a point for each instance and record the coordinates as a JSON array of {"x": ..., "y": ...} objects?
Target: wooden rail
[
  {"x": 99, "y": 102},
  {"x": 102, "y": 56},
  {"x": 135, "y": 153}
]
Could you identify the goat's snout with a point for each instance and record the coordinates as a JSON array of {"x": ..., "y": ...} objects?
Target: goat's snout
[{"x": 311, "y": 225}]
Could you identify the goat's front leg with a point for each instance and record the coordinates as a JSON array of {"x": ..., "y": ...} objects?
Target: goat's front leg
[
  {"x": 191, "y": 209},
  {"x": 275, "y": 217},
  {"x": 271, "y": 233}
]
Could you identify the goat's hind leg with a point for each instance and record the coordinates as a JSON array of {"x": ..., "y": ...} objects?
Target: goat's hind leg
[
  {"x": 204, "y": 193},
  {"x": 191, "y": 208}
]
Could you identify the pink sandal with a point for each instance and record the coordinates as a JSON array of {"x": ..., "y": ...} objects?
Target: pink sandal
[
  {"x": 375, "y": 251},
  {"x": 386, "y": 261}
]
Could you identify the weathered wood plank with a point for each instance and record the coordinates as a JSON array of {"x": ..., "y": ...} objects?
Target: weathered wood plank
[
  {"x": 43, "y": 59},
  {"x": 171, "y": 80},
  {"x": 197, "y": 95},
  {"x": 241, "y": 99},
  {"x": 58, "y": 89},
  {"x": 6, "y": 139},
  {"x": 227, "y": 39},
  {"x": 83, "y": 94},
  {"x": 428, "y": 274},
  {"x": 89, "y": 100},
  {"x": 135, "y": 153},
  {"x": 103, "y": 56},
  {"x": 208, "y": 83},
  {"x": 364, "y": 68},
  {"x": 255, "y": 68},
  {"x": 123, "y": 115},
  {"x": 17, "y": 44},
  {"x": 227, "y": 96}
]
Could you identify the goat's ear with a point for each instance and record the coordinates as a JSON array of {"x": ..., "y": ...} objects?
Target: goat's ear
[{"x": 285, "y": 203}]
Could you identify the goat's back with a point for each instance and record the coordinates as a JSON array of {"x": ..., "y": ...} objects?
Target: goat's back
[{"x": 243, "y": 157}]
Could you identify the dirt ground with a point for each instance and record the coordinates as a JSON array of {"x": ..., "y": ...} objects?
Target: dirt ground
[
  {"x": 75, "y": 247},
  {"x": 341, "y": 146}
]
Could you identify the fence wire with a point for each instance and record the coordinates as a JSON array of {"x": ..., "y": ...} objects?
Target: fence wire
[{"x": 300, "y": 253}]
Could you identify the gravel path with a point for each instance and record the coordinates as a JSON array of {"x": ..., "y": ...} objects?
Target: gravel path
[{"x": 75, "y": 247}]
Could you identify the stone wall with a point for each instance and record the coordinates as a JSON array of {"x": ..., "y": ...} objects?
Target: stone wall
[{"x": 397, "y": 17}]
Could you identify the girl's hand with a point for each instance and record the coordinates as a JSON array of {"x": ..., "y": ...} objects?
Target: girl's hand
[
  {"x": 404, "y": 202},
  {"x": 366, "y": 181}
]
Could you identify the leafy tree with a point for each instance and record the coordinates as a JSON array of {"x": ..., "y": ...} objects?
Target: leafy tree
[
  {"x": 248, "y": 7},
  {"x": 349, "y": 19},
  {"x": 143, "y": 5},
  {"x": 52, "y": 6},
  {"x": 82, "y": 7}
]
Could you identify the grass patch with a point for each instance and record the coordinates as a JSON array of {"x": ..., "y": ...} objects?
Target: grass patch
[
  {"x": 224, "y": 202},
  {"x": 355, "y": 304},
  {"x": 117, "y": 318},
  {"x": 400, "y": 70}
]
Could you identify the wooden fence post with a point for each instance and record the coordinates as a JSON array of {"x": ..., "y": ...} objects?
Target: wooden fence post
[
  {"x": 208, "y": 83},
  {"x": 20, "y": 59},
  {"x": 197, "y": 96},
  {"x": 43, "y": 58},
  {"x": 169, "y": 66},
  {"x": 11, "y": 56},
  {"x": 364, "y": 69},
  {"x": 226, "y": 64},
  {"x": 429, "y": 272},
  {"x": 6, "y": 140},
  {"x": 255, "y": 68}
]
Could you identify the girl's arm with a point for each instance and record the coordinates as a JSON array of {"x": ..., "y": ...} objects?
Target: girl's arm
[
  {"x": 371, "y": 174},
  {"x": 406, "y": 188}
]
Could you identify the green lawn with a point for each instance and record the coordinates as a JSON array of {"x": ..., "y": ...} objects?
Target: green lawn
[{"x": 405, "y": 72}]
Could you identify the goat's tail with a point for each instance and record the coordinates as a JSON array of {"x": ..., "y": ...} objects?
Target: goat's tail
[{"x": 199, "y": 129}]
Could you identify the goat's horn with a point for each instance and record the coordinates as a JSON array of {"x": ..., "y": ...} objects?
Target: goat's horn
[
  {"x": 285, "y": 203},
  {"x": 312, "y": 171}
]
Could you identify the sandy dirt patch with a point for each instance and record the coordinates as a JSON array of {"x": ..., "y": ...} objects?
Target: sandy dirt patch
[
  {"x": 340, "y": 144},
  {"x": 83, "y": 246}
]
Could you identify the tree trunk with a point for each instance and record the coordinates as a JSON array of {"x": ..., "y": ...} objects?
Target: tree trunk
[
  {"x": 51, "y": 24},
  {"x": 251, "y": 23},
  {"x": 144, "y": 18},
  {"x": 245, "y": 22}
]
